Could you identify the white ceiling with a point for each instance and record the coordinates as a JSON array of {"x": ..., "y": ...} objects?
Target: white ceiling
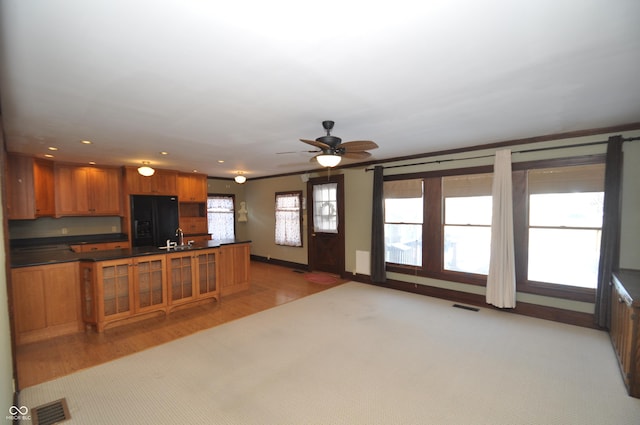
[{"x": 242, "y": 80}]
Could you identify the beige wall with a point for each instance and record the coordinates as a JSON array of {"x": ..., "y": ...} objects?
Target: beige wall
[
  {"x": 630, "y": 238},
  {"x": 358, "y": 199},
  {"x": 260, "y": 198}
]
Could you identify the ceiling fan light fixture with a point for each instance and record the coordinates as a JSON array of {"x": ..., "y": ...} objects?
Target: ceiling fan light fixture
[
  {"x": 328, "y": 160},
  {"x": 145, "y": 170},
  {"x": 240, "y": 178}
]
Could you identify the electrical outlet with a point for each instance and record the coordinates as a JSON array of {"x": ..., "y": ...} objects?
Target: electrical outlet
[{"x": 64, "y": 230}]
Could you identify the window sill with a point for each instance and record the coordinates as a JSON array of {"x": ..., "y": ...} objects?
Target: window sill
[{"x": 538, "y": 288}]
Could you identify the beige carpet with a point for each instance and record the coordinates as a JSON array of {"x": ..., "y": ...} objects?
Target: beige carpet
[{"x": 358, "y": 354}]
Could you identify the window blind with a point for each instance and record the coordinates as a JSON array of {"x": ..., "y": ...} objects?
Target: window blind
[
  {"x": 467, "y": 185},
  {"x": 577, "y": 178}
]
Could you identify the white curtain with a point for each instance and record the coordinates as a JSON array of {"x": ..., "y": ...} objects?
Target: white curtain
[
  {"x": 288, "y": 220},
  {"x": 220, "y": 217},
  {"x": 501, "y": 282}
]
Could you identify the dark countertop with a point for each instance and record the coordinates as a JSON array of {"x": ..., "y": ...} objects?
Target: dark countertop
[
  {"x": 629, "y": 279},
  {"x": 26, "y": 258}
]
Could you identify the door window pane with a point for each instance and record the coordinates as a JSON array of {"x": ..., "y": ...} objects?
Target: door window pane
[{"x": 325, "y": 208}]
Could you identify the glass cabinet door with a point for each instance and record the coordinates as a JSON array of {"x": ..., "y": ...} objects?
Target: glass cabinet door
[
  {"x": 181, "y": 277},
  {"x": 115, "y": 283},
  {"x": 150, "y": 282},
  {"x": 207, "y": 279}
]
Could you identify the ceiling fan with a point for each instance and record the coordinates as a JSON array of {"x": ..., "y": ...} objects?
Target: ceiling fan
[{"x": 332, "y": 149}]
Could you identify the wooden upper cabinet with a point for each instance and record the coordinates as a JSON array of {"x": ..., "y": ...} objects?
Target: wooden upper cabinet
[
  {"x": 30, "y": 187},
  {"x": 192, "y": 187},
  {"x": 105, "y": 190},
  {"x": 87, "y": 190},
  {"x": 43, "y": 180},
  {"x": 162, "y": 182}
]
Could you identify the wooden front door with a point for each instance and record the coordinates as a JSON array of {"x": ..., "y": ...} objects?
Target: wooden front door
[{"x": 325, "y": 216}]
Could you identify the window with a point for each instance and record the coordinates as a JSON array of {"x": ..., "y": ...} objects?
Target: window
[
  {"x": 403, "y": 219},
  {"x": 467, "y": 222},
  {"x": 325, "y": 208},
  {"x": 565, "y": 223},
  {"x": 220, "y": 217},
  {"x": 443, "y": 229},
  {"x": 289, "y": 218}
]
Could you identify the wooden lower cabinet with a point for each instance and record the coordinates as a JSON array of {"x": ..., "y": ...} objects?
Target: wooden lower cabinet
[
  {"x": 234, "y": 268},
  {"x": 120, "y": 289},
  {"x": 625, "y": 327},
  {"x": 46, "y": 301},
  {"x": 192, "y": 276},
  {"x": 55, "y": 299}
]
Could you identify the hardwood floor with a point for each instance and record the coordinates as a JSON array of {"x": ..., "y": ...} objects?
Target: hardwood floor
[{"x": 270, "y": 286}]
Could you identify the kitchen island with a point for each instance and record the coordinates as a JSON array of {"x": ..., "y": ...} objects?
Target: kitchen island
[{"x": 61, "y": 292}]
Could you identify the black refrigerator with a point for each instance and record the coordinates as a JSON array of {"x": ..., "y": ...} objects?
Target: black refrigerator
[{"x": 154, "y": 219}]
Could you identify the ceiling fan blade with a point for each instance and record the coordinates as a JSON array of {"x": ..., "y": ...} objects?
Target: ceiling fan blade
[
  {"x": 358, "y": 145},
  {"x": 281, "y": 153},
  {"x": 318, "y": 145},
  {"x": 356, "y": 155}
]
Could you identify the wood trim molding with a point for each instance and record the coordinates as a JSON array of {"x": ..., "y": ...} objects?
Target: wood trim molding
[
  {"x": 507, "y": 143},
  {"x": 282, "y": 263}
]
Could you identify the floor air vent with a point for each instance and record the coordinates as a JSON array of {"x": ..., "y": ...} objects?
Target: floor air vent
[
  {"x": 50, "y": 413},
  {"x": 466, "y": 307}
]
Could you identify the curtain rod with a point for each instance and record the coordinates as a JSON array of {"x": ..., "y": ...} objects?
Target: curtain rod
[{"x": 439, "y": 161}]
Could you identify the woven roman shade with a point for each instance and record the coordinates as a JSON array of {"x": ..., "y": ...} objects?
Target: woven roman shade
[
  {"x": 577, "y": 178},
  {"x": 467, "y": 185},
  {"x": 399, "y": 189}
]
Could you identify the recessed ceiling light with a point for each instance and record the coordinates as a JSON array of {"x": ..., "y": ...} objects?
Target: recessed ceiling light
[
  {"x": 48, "y": 155},
  {"x": 52, "y": 148},
  {"x": 221, "y": 161},
  {"x": 92, "y": 163},
  {"x": 195, "y": 171},
  {"x": 86, "y": 142},
  {"x": 164, "y": 153}
]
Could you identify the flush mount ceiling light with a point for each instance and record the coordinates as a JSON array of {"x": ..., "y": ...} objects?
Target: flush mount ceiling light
[
  {"x": 240, "y": 178},
  {"x": 328, "y": 160},
  {"x": 145, "y": 170}
]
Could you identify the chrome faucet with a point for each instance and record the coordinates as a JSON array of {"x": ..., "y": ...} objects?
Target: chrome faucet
[{"x": 180, "y": 235}]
